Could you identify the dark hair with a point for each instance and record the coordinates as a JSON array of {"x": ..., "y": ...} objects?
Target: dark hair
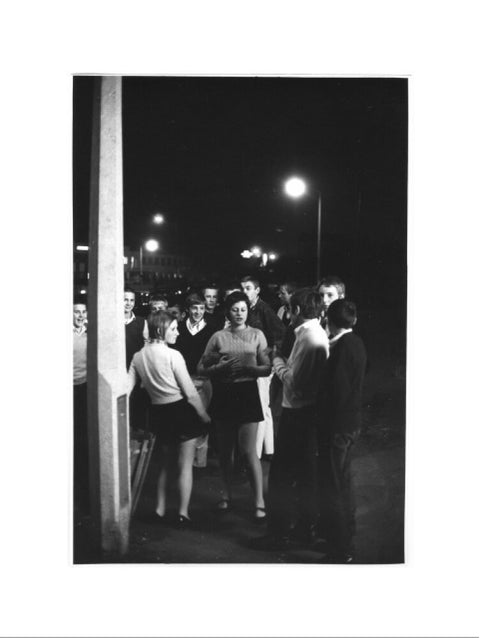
[
  {"x": 342, "y": 313},
  {"x": 290, "y": 286},
  {"x": 156, "y": 296},
  {"x": 193, "y": 300},
  {"x": 158, "y": 323},
  {"x": 234, "y": 298},
  {"x": 251, "y": 278},
  {"x": 79, "y": 299},
  {"x": 210, "y": 287},
  {"x": 309, "y": 301},
  {"x": 336, "y": 282}
]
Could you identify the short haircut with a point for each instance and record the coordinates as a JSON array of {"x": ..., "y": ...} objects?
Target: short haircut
[
  {"x": 128, "y": 289},
  {"x": 156, "y": 296},
  {"x": 234, "y": 298},
  {"x": 342, "y": 313},
  {"x": 158, "y": 323},
  {"x": 336, "y": 282},
  {"x": 290, "y": 286},
  {"x": 80, "y": 299},
  {"x": 210, "y": 287},
  {"x": 251, "y": 278},
  {"x": 309, "y": 302},
  {"x": 193, "y": 300}
]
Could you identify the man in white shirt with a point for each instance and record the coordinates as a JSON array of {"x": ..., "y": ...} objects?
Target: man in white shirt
[{"x": 292, "y": 477}]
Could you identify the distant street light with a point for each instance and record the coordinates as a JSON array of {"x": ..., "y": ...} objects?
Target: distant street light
[
  {"x": 256, "y": 251},
  {"x": 296, "y": 187},
  {"x": 151, "y": 245},
  {"x": 272, "y": 256},
  {"x": 158, "y": 218}
]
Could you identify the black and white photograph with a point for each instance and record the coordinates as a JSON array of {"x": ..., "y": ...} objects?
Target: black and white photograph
[
  {"x": 240, "y": 264},
  {"x": 264, "y": 217}
]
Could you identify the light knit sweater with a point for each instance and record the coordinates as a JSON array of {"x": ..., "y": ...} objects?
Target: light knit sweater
[
  {"x": 163, "y": 373},
  {"x": 248, "y": 345}
]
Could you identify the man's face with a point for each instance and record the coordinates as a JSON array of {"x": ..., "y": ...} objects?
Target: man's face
[
  {"x": 129, "y": 302},
  {"x": 284, "y": 295},
  {"x": 155, "y": 306},
  {"x": 211, "y": 298},
  {"x": 328, "y": 294},
  {"x": 79, "y": 315},
  {"x": 196, "y": 312},
  {"x": 251, "y": 291}
]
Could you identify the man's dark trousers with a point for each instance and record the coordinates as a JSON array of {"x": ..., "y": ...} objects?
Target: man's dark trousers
[
  {"x": 335, "y": 491},
  {"x": 293, "y": 479}
]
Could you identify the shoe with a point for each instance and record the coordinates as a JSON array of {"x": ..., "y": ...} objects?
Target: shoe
[
  {"x": 260, "y": 515},
  {"x": 270, "y": 543},
  {"x": 183, "y": 522},
  {"x": 223, "y": 505}
]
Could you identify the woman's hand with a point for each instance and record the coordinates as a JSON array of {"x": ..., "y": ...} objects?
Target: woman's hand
[{"x": 205, "y": 418}]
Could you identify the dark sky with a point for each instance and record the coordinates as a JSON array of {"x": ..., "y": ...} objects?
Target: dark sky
[{"x": 212, "y": 154}]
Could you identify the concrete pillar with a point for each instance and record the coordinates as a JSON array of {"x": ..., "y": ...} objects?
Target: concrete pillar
[{"x": 107, "y": 400}]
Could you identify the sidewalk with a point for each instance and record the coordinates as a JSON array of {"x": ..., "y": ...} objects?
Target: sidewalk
[{"x": 223, "y": 537}]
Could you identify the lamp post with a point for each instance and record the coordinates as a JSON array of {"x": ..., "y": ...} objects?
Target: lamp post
[{"x": 296, "y": 187}]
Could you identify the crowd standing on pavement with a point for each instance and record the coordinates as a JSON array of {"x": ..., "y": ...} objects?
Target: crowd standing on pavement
[{"x": 285, "y": 387}]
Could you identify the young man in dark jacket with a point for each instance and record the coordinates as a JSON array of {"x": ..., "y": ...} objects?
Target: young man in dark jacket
[{"x": 339, "y": 428}]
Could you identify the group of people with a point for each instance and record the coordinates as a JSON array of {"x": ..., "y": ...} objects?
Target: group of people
[{"x": 283, "y": 386}]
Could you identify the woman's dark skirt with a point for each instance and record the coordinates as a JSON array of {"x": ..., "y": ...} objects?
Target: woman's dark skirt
[
  {"x": 173, "y": 423},
  {"x": 236, "y": 402}
]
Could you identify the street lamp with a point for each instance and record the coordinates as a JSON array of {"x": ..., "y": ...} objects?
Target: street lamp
[
  {"x": 151, "y": 245},
  {"x": 158, "y": 218},
  {"x": 296, "y": 187}
]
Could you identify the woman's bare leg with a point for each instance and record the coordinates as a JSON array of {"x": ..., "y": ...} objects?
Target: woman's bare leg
[
  {"x": 226, "y": 437},
  {"x": 161, "y": 506},
  {"x": 248, "y": 447},
  {"x": 186, "y": 452}
]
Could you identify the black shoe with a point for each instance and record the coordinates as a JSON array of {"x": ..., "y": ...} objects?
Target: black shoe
[
  {"x": 260, "y": 515},
  {"x": 182, "y": 522},
  {"x": 270, "y": 543}
]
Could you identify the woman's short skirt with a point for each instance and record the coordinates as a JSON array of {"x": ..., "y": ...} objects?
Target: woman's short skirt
[
  {"x": 236, "y": 402},
  {"x": 176, "y": 422}
]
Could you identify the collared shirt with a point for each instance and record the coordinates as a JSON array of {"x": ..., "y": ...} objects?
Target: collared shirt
[
  {"x": 302, "y": 373},
  {"x": 193, "y": 328}
]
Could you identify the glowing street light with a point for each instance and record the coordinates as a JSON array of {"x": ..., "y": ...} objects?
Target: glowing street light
[
  {"x": 272, "y": 256},
  {"x": 158, "y": 218},
  {"x": 151, "y": 245},
  {"x": 256, "y": 251},
  {"x": 296, "y": 187}
]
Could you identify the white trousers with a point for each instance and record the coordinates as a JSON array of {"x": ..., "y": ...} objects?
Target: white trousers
[
  {"x": 204, "y": 389},
  {"x": 265, "y": 427}
]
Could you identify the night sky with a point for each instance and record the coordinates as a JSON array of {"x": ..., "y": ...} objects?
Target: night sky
[{"x": 212, "y": 155}]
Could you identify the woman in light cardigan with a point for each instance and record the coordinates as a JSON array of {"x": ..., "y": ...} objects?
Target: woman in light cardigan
[{"x": 177, "y": 415}]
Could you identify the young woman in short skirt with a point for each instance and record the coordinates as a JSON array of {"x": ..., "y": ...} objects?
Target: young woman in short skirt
[
  {"x": 233, "y": 359},
  {"x": 177, "y": 415}
]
